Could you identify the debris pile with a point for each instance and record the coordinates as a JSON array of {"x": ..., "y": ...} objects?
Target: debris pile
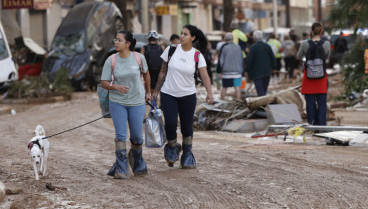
[{"x": 219, "y": 114}]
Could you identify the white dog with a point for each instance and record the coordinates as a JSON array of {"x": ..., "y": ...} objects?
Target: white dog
[{"x": 39, "y": 151}]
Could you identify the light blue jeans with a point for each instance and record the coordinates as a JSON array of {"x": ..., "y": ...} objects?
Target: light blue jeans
[{"x": 122, "y": 115}]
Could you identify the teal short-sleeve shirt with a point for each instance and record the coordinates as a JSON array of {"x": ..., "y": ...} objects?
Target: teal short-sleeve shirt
[{"x": 126, "y": 73}]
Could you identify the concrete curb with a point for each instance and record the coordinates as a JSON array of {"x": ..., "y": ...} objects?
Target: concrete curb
[{"x": 244, "y": 126}]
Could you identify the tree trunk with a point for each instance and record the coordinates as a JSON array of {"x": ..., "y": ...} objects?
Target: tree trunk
[
  {"x": 228, "y": 14},
  {"x": 319, "y": 10},
  {"x": 122, "y": 4},
  {"x": 287, "y": 4}
]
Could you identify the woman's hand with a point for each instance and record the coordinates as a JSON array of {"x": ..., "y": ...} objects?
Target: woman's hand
[
  {"x": 148, "y": 97},
  {"x": 122, "y": 89},
  {"x": 154, "y": 95},
  {"x": 209, "y": 99}
]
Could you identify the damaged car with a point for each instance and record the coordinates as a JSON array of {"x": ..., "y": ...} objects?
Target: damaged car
[
  {"x": 8, "y": 68},
  {"x": 82, "y": 42}
]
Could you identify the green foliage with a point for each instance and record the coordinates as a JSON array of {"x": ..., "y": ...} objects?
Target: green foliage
[
  {"x": 40, "y": 87},
  {"x": 346, "y": 14},
  {"x": 29, "y": 87},
  {"x": 62, "y": 84},
  {"x": 353, "y": 67}
]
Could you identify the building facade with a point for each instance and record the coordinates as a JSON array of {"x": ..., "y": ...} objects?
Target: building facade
[{"x": 166, "y": 16}]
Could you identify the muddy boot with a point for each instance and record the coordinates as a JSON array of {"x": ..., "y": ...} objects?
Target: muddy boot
[
  {"x": 120, "y": 169},
  {"x": 171, "y": 152},
  {"x": 136, "y": 160},
  {"x": 187, "y": 158}
]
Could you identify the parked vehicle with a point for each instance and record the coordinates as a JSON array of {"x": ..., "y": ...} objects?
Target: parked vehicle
[
  {"x": 29, "y": 56},
  {"x": 8, "y": 68},
  {"x": 82, "y": 42}
]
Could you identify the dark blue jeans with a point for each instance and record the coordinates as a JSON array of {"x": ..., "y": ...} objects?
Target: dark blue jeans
[
  {"x": 316, "y": 108},
  {"x": 261, "y": 85},
  {"x": 182, "y": 106}
]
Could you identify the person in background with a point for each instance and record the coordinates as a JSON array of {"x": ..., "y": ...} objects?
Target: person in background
[
  {"x": 260, "y": 62},
  {"x": 305, "y": 36},
  {"x": 249, "y": 42},
  {"x": 178, "y": 93},
  {"x": 239, "y": 38},
  {"x": 175, "y": 39},
  {"x": 340, "y": 47},
  {"x": 276, "y": 49},
  {"x": 127, "y": 96},
  {"x": 230, "y": 68},
  {"x": 315, "y": 90},
  {"x": 215, "y": 61},
  {"x": 152, "y": 52},
  {"x": 293, "y": 36},
  {"x": 289, "y": 56},
  {"x": 209, "y": 59}
]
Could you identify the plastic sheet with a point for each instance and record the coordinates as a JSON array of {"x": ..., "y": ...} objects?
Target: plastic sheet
[{"x": 154, "y": 130}]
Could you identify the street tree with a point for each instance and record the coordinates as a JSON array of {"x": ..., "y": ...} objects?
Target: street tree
[
  {"x": 122, "y": 5},
  {"x": 346, "y": 14},
  {"x": 228, "y": 14}
]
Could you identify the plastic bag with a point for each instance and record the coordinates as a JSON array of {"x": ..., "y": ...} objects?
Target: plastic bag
[
  {"x": 154, "y": 129},
  {"x": 103, "y": 98}
]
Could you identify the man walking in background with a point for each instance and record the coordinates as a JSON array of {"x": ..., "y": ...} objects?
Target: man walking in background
[
  {"x": 152, "y": 52},
  {"x": 276, "y": 49},
  {"x": 230, "y": 66},
  {"x": 260, "y": 62}
]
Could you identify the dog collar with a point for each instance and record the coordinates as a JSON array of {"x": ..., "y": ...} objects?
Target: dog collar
[{"x": 30, "y": 145}]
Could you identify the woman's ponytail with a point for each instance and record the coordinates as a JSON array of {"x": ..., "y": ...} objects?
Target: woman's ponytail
[{"x": 200, "y": 41}]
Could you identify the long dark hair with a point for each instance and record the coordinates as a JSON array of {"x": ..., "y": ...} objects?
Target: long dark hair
[
  {"x": 128, "y": 36},
  {"x": 200, "y": 41}
]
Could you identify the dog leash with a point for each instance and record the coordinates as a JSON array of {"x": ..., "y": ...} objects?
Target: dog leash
[{"x": 46, "y": 137}]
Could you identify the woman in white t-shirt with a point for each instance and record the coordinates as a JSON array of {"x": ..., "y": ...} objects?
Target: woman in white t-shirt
[{"x": 178, "y": 93}]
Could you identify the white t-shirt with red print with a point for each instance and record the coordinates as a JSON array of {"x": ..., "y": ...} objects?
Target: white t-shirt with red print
[{"x": 179, "y": 80}]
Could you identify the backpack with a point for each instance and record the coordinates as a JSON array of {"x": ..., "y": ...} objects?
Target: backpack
[
  {"x": 219, "y": 68},
  {"x": 197, "y": 76},
  {"x": 289, "y": 50},
  {"x": 315, "y": 60},
  {"x": 152, "y": 54}
]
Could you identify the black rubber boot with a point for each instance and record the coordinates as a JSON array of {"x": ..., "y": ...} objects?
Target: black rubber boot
[
  {"x": 171, "y": 152},
  {"x": 120, "y": 169},
  {"x": 136, "y": 160},
  {"x": 187, "y": 158}
]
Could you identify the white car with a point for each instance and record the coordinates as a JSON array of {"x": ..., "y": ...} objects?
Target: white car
[{"x": 8, "y": 68}]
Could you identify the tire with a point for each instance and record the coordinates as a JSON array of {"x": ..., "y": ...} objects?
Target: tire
[
  {"x": 118, "y": 23},
  {"x": 93, "y": 75}
]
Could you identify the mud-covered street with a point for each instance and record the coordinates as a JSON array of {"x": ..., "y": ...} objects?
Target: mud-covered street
[{"x": 233, "y": 170}]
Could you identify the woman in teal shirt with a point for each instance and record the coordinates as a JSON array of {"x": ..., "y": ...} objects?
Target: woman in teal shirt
[{"x": 127, "y": 104}]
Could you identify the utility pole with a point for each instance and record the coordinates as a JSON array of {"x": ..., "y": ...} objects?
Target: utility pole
[{"x": 275, "y": 26}]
